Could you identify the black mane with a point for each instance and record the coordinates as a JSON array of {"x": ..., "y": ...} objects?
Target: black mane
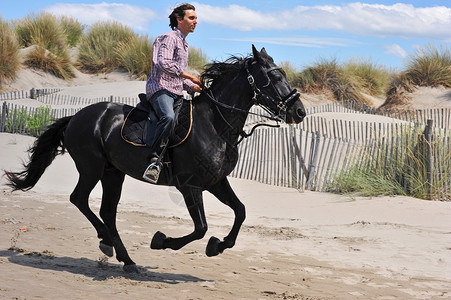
[{"x": 222, "y": 70}]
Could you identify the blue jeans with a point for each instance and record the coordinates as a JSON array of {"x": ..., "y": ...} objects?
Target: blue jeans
[{"x": 163, "y": 104}]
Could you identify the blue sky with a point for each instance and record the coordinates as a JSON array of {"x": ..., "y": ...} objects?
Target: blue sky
[{"x": 301, "y": 32}]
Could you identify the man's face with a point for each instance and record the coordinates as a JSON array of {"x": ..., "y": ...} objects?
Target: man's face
[{"x": 188, "y": 23}]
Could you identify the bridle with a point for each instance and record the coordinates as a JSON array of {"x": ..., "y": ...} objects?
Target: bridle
[
  {"x": 259, "y": 98},
  {"x": 262, "y": 99}
]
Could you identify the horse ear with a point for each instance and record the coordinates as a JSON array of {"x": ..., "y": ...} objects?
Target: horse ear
[
  {"x": 264, "y": 55},
  {"x": 255, "y": 52}
]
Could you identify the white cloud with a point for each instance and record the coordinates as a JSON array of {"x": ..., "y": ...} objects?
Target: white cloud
[
  {"x": 296, "y": 41},
  {"x": 401, "y": 20},
  {"x": 395, "y": 50},
  {"x": 135, "y": 17}
]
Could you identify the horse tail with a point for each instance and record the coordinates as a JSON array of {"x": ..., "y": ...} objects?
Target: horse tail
[{"x": 44, "y": 150}]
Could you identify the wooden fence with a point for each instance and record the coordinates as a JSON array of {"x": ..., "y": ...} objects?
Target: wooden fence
[
  {"x": 440, "y": 116},
  {"x": 66, "y": 100},
  {"x": 293, "y": 157},
  {"x": 32, "y": 93},
  {"x": 304, "y": 156}
]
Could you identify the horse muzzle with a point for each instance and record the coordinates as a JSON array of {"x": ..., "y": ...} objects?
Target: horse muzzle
[{"x": 296, "y": 112}]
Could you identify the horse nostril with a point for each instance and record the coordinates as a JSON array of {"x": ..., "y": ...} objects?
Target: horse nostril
[{"x": 300, "y": 113}]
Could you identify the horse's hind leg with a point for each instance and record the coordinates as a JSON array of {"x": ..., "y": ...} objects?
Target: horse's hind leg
[
  {"x": 223, "y": 191},
  {"x": 195, "y": 205},
  {"x": 112, "y": 181},
  {"x": 80, "y": 196}
]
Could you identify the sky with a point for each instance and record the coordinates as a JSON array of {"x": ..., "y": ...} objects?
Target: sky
[{"x": 301, "y": 32}]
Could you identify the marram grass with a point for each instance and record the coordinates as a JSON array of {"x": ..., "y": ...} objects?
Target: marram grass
[
  {"x": 400, "y": 167},
  {"x": 9, "y": 52}
]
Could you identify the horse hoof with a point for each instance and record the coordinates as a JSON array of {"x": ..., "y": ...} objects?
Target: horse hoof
[
  {"x": 158, "y": 240},
  {"x": 131, "y": 269},
  {"x": 107, "y": 250},
  {"x": 212, "y": 247}
]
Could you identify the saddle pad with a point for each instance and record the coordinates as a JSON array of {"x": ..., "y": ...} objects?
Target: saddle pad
[{"x": 132, "y": 130}]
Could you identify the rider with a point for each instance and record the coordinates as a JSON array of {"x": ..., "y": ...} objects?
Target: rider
[{"x": 168, "y": 78}]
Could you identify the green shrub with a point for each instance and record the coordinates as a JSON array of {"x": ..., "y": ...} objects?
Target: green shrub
[
  {"x": 32, "y": 121},
  {"x": 38, "y": 120},
  {"x": 136, "y": 56},
  {"x": 99, "y": 47},
  {"x": 9, "y": 52}
]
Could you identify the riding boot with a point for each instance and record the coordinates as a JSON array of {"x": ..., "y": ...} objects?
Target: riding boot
[{"x": 152, "y": 172}]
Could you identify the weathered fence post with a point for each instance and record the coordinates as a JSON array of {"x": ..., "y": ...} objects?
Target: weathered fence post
[
  {"x": 3, "y": 120},
  {"x": 33, "y": 93},
  {"x": 427, "y": 135}
]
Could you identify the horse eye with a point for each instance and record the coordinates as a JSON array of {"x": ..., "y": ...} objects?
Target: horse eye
[{"x": 277, "y": 76}]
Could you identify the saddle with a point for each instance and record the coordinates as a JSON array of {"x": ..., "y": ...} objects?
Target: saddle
[{"x": 136, "y": 130}]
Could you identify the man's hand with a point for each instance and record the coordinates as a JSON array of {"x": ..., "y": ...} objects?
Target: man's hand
[
  {"x": 191, "y": 77},
  {"x": 197, "y": 89}
]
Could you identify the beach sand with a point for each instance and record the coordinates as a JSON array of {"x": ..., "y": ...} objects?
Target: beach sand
[{"x": 293, "y": 244}]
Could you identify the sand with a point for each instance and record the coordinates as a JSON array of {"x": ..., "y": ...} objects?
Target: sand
[{"x": 293, "y": 245}]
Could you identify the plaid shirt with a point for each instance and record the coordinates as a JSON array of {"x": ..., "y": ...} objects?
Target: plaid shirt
[{"x": 169, "y": 60}]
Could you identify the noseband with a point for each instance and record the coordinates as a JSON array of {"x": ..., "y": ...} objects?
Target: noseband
[{"x": 263, "y": 99}]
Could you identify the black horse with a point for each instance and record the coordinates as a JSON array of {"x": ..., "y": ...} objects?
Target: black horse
[{"x": 93, "y": 139}]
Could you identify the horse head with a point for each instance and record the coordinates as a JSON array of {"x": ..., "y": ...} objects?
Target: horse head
[{"x": 271, "y": 88}]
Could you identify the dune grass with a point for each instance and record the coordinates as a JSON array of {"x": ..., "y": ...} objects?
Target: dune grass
[
  {"x": 329, "y": 75},
  {"x": 41, "y": 29},
  {"x": 136, "y": 56},
  {"x": 366, "y": 183},
  {"x": 9, "y": 52},
  {"x": 45, "y": 33},
  {"x": 399, "y": 167},
  {"x": 197, "y": 59},
  {"x": 72, "y": 29},
  {"x": 99, "y": 47},
  {"x": 370, "y": 78},
  {"x": 56, "y": 64},
  {"x": 428, "y": 66},
  {"x": 289, "y": 70}
]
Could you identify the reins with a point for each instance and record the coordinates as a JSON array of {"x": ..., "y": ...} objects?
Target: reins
[
  {"x": 210, "y": 95},
  {"x": 243, "y": 133}
]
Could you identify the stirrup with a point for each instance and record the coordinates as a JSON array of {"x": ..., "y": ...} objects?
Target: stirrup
[{"x": 149, "y": 176}]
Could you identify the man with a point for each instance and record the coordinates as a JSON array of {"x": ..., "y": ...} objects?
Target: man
[{"x": 168, "y": 79}]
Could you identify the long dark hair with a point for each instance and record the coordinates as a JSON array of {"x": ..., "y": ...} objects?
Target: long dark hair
[{"x": 179, "y": 12}]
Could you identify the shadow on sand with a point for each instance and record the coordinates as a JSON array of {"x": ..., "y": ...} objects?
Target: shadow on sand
[{"x": 98, "y": 270}]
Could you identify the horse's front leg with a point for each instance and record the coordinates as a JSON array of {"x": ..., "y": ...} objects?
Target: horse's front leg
[
  {"x": 195, "y": 205},
  {"x": 223, "y": 191}
]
